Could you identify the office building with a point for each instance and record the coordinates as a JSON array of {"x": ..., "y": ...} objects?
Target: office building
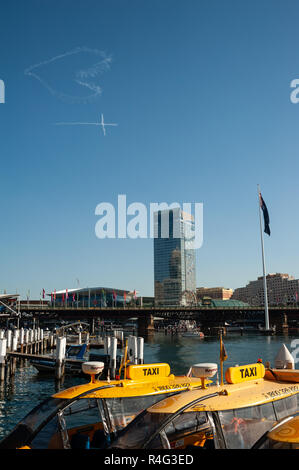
[{"x": 174, "y": 258}]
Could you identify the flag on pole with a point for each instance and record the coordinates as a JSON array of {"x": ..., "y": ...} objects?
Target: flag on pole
[
  {"x": 66, "y": 294},
  {"x": 223, "y": 354},
  {"x": 54, "y": 294},
  {"x": 43, "y": 293},
  {"x": 266, "y": 215},
  {"x": 223, "y": 357}
]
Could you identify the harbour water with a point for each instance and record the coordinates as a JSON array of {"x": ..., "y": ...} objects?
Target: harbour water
[{"x": 28, "y": 388}]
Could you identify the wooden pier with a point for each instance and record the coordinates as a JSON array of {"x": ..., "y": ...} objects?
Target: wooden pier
[
  {"x": 32, "y": 344},
  {"x": 22, "y": 344}
]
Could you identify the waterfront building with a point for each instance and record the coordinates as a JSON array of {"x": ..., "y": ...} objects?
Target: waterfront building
[
  {"x": 93, "y": 297},
  {"x": 174, "y": 258},
  {"x": 214, "y": 293},
  {"x": 282, "y": 289}
]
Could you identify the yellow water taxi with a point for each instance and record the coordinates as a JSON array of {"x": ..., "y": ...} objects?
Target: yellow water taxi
[
  {"x": 231, "y": 415},
  {"x": 90, "y": 415}
]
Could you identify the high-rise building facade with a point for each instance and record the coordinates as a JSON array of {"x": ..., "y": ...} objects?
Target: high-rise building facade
[
  {"x": 281, "y": 289},
  {"x": 174, "y": 258}
]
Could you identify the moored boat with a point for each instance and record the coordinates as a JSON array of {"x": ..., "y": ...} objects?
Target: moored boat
[
  {"x": 193, "y": 334},
  {"x": 77, "y": 352},
  {"x": 267, "y": 331},
  {"x": 189, "y": 329},
  {"x": 91, "y": 415},
  {"x": 232, "y": 415}
]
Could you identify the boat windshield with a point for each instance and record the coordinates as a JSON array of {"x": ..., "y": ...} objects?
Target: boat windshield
[
  {"x": 119, "y": 412},
  {"x": 140, "y": 430},
  {"x": 25, "y": 430},
  {"x": 73, "y": 350},
  {"x": 244, "y": 426},
  {"x": 55, "y": 422},
  {"x": 160, "y": 430}
]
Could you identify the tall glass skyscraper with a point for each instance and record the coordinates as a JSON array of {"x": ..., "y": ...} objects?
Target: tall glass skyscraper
[{"x": 174, "y": 258}]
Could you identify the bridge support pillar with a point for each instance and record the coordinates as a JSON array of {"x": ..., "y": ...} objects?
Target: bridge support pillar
[{"x": 146, "y": 325}]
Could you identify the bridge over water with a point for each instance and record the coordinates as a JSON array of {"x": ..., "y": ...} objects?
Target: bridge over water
[{"x": 210, "y": 317}]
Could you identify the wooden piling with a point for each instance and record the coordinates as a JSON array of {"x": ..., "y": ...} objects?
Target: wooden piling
[
  {"x": 8, "y": 337},
  {"x": 60, "y": 357},
  {"x": 140, "y": 348},
  {"x": 22, "y": 339},
  {"x": 42, "y": 341},
  {"x": 113, "y": 354},
  {"x": 3, "y": 345}
]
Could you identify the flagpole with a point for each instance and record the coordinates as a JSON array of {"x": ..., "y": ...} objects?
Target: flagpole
[
  {"x": 221, "y": 359},
  {"x": 267, "y": 326}
]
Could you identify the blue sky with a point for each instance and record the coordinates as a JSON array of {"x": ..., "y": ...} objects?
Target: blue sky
[{"x": 200, "y": 91}]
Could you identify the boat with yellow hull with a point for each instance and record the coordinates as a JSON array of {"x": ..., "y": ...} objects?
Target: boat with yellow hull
[
  {"x": 232, "y": 415},
  {"x": 91, "y": 415}
]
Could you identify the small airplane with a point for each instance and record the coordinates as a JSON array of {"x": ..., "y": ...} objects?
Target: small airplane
[{"x": 102, "y": 123}]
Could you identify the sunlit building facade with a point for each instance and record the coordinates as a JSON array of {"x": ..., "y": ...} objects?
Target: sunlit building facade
[
  {"x": 174, "y": 258},
  {"x": 282, "y": 289},
  {"x": 214, "y": 292}
]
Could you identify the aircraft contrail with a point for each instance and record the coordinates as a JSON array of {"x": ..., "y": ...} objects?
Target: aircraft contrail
[
  {"x": 101, "y": 123},
  {"x": 82, "y": 77}
]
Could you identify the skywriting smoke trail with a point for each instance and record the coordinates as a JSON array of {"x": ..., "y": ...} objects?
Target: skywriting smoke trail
[{"x": 84, "y": 77}]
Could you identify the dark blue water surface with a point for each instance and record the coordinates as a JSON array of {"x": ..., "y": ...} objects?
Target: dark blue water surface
[{"x": 28, "y": 388}]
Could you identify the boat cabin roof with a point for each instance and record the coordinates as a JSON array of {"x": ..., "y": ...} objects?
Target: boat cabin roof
[
  {"x": 247, "y": 385},
  {"x": 227, "y": 397},
  {"x": 141, "y": 379}
]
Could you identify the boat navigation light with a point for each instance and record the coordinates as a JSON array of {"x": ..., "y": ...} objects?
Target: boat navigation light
[
  {"x": 204, "y": 371},
  {"x": 92, "y": 368}
]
